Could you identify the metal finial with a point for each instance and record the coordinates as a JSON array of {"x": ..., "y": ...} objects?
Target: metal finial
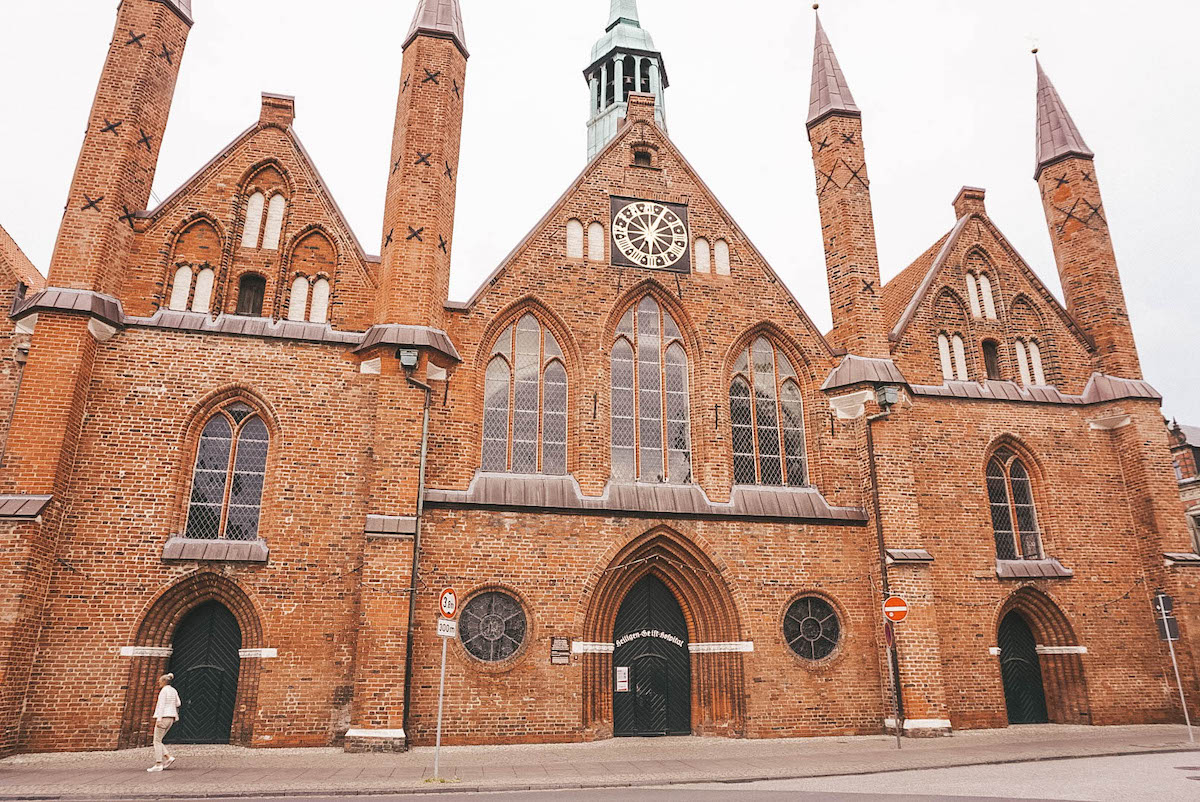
[
  {"x": 816, "y": 6},
  {"x": 1035, "y": 51}
]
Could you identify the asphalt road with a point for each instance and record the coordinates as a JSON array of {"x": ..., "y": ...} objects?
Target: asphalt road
[{"x": 1159, "y": 777}]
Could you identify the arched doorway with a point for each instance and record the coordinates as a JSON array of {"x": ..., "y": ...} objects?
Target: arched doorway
[
  {"x": 178, "y": 609},
  {"x": 652, "y": 667},
  {"x": 1041, "y": 661},
  {"x": 712, "y": 633},
  {"x": 1024, "y": 693},
  {"x": 205, "y": 662}
]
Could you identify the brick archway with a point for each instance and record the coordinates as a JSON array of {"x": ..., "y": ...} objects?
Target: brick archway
[
  {"x": 1061, "y": 664},
  {"x": 157, "y": 629},
  {"x": 718, "y": 678}
]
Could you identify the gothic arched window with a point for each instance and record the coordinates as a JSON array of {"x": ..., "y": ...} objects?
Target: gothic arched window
[
  {"x": 525, "y": 402},
  {"x": 1014, "y": 514},
  {"x": 651, "y": 437},
  {"x": 227, "y": 480},
  {"x": 767, "y": 414}
]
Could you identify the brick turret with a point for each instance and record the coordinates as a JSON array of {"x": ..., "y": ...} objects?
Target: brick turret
[
  {"x": 844, "y": 196},
  {"x": 1079, "y": 231},
  {"x": 112, "y": 183},
  {"x": 120, "y": 149},
  {"x": 418, "y": 223}
]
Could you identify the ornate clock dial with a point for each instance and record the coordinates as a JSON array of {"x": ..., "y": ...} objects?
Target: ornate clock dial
[{"x": 650, "y": 234}]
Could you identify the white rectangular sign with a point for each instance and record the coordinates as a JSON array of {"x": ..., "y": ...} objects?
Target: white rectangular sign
[
  {"x": 447, "y": 628},
  {"x": 622, "y": 679}
]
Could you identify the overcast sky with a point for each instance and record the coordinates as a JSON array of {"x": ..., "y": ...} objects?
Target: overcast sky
[{"x": 947, "y": 89}]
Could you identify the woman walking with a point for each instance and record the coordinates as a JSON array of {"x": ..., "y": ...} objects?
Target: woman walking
[{"x": 166, "y": 713}]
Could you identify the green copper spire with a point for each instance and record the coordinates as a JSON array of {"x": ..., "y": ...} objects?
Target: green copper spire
[
  {"x": 624, "y": 61},
  {"x": 623, "y": 11}
]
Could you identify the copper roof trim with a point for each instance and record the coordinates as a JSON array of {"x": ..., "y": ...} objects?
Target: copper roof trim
[
  {"x": 419, "y": 336},
  {"x": 1032, "y": 569},
  {"x": 238, "y": 325},
  {"x": 94, "y": 304},
  {"x": 1100, "y": 389},
  {"x": 910, "y": 556},
  {"x": 860, "y": 369},
  {"x": 562, "y": 493},
  {"x": 391, "y": 525},
  {"x": 1182, "y": 558},
  {"x": 20, "y": 507},
  {"x": 240, "y": 551}
]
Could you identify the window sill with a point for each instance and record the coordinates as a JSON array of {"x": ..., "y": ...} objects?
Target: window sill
[
  {"x": 233, "y": 551},
  {"x": 1032, "y": 569}
]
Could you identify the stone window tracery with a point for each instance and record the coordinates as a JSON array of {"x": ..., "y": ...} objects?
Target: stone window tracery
[
  {"x": 1014, "y": 512},
  {"x": 492, "y": 626},
  {"x": 811, "y": 628},
  {"x": 766, "y": 411},
  {"x": 651, "y": 430},
  {"x": 525, "y": 402},
  {"x": 228, "y": 475}
]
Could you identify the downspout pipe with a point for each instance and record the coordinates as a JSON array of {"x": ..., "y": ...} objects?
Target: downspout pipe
[
  {"x": 883, "y": 566},
  {"x": 416, "y": 558}
]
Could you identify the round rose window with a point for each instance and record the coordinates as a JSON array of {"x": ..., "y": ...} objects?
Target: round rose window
[
  {"x": 492, "y": 626},
  {"x": 811, "y": 628}
]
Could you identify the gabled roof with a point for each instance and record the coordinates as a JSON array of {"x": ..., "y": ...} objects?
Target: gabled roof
[
  {"x": 1191, "y": 435},
  {"x": 1057, "y": 134},
  {"x": 441, "y": 18},
  {"x": 15, "y": 260},
  {"x": 905, "y": 279},
  {"x": 306, "y": 162},
  {"x": 898, "y": 292},
  {"x": 617, "y": 141},
  {"x": 830, "y": 92}
]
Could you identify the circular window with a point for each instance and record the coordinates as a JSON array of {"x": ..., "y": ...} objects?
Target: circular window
[
  {"x": 492, "y": 626},
  {"x": 811, "y": 628}
]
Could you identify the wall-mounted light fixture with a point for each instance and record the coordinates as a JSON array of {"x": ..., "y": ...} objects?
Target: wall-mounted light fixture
[{"x": 408, "y": 358}]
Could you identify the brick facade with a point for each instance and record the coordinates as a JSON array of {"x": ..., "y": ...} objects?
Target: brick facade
[{"x": 374, "y": 405}]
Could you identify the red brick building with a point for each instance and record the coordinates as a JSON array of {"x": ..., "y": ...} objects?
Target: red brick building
[{"x": 243, "y": 449}]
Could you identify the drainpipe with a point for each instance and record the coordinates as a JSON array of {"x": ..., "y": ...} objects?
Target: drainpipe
[
  {"x": 416, "y": 560},
  {"x": 883, "y": 567}
]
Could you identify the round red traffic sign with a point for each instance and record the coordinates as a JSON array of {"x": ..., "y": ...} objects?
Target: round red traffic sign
[
  {"x": 448, "y": 604},
  {"x": 895, "y": 609}
]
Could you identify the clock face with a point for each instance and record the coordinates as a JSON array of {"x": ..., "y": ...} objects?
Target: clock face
[{"x": 650, "y": 234}]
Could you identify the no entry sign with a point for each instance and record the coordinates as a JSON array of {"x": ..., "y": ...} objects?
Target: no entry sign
[
  {"x": 448, "y": 604},
  {"x": 895, "y": 609}
]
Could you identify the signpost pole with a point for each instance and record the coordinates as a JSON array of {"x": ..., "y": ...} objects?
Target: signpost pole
[
  {"x": 894, "y": 676},
  {"x": 437, "y": 749},
  {"x": 1178, "y": 682}
]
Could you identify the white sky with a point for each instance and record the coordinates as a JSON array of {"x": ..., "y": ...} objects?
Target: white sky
[{"x": 947, "y": 88}]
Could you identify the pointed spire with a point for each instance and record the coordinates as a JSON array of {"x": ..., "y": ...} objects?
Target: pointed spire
[
  {"x": 830, "y": 93},
  {"x": 1057, "y": 135},
  {"x": 623, "y": 11},
  {"x": 440, "y": 18}
]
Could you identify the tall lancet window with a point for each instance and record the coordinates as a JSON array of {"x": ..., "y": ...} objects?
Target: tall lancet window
[
  {"x": 525, "y": 402},
  {"x": 651, "y": 437},
  {"x": 767, "y": 414}
]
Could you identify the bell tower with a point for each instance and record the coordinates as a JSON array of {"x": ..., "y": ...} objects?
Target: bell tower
[{"x": 624, "y": 61}]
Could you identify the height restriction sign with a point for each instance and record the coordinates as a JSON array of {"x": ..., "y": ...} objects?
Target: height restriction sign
[
  {"x": 895, "y": 609},
  {"x": 448, "y": 603}
]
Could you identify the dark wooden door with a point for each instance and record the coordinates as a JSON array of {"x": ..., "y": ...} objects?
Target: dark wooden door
[
  {"x": 652, "y": 651},
  {"x": 205, "y": 663},
  {"x": 1024, "y": 693}
]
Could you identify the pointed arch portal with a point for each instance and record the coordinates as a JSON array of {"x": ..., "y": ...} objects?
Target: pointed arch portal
[
  {"x": 664, "y": 582},
  {"x": 1041, "y": 662}
]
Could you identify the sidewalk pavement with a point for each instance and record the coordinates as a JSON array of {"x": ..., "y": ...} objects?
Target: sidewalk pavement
[{"x": 224, "y": 771}]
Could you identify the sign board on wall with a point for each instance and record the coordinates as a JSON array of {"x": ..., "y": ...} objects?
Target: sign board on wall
[{"x": 622, "y": 679}]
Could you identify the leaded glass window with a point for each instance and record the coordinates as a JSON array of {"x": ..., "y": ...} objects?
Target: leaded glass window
[
  {"x": 1014, "y": 512},
  {"x": 766, "y": 411},
  {"x": 492, "y": 626},
  {"x": 651, "y": 426},
  {"x": 811, "y": 628},
  {"x": 525, "y": 402},
  {"x": 228, "y": 476}
]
